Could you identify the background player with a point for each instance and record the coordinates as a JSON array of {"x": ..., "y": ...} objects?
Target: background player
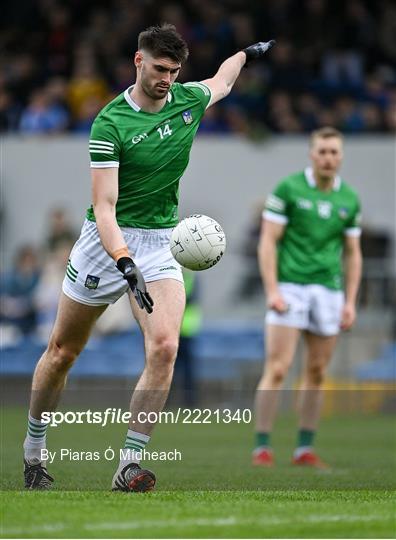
[
  {"x": 311, "y": 218},
  {"x": 139, "y": 146}
]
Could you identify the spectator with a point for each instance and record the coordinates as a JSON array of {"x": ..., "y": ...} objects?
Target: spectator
[
  {"x": 49, "y": 287},
  {"x": 281, "y": 117},
  {"x": 59, "y": 39},
  {"x": 287, "y": 72},
  {"x": 17, "y": 291},
  {"x": 85, "y": 84},
  {"x": 213, "y": 122},
  {"x": 349, "y": 117},
  {"x": 59, "y": 230},
  {"x": 387, "y": 30},
  {"x": 9, "y": 112},
  {"x": 43, "y": 115},
  {"x": 89, "y": 109},
  {"x": 308, "y": 108}
]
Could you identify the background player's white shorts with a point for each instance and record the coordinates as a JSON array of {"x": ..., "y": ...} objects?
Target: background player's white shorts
[
  {"x": 311, "y": 307},
  {"x": 92, "y": 277}
]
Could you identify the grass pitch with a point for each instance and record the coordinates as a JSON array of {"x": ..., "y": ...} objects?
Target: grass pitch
[{"x": 213, "y": 491}]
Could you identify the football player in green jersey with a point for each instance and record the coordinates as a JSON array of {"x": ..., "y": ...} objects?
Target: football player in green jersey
[
  {"x": 139, "y": 146},
  {"x": 310, "y": 221}
]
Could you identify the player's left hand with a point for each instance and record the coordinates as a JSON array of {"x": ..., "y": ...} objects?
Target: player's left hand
[
  {"x": 348, "y": 316},
  {"x": 258, "y": 50},
  {"x": 136, "y": 282}
]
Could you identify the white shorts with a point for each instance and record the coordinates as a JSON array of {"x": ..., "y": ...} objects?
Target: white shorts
[
  {"x": 311, "y": 307},
  {"x": 91, "y": 274}
]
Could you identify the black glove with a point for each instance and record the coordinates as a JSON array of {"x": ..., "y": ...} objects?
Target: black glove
[
  {"x": 136, "y": 282},
  {"x": 257, "y": 50}
]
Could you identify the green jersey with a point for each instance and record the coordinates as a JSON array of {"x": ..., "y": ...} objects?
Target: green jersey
[
  {"x": 310, "y": 251},
  {"x": 151, "y": 150}
]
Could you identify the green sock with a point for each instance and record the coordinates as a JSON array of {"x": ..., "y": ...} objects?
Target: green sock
[
  {"x": 262, "y": 439},
  {"x": 305, "y": 437}
]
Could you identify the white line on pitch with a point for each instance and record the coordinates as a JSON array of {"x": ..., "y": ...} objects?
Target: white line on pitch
[{"x": 204, "y": 522}]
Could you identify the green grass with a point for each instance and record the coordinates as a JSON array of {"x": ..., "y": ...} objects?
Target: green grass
[
  {"x": 213, "y": 491},
  {"x": 309, "y": 514}
]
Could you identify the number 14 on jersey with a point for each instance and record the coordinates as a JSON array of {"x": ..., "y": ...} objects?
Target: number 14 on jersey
[{"x": 164, "y": 131}]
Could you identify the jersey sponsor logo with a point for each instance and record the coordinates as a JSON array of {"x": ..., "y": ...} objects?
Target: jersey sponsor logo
[
  {"x": 304, "y": 204},
  {"x": 324, "y": 209},
  {"x": 91, "y": 282},
  {"x": 187, "y": 117},
  {"x": 138, "y": 138}
]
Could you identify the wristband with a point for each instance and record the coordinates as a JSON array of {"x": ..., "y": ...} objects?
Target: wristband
[{"x": 122, "y": 252}]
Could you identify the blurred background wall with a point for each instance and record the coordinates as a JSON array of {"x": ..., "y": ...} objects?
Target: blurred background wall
[{"x": 228, "y": 178}]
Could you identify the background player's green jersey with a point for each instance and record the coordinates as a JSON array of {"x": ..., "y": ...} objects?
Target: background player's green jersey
[
  {"x": 151, "y": 150},
  {"x": 310, "y": 251}
]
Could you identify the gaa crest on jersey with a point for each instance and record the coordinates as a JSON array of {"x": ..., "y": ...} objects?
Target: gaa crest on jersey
[
  {"x": 343, "y": 213},
  {"x": 324, "y": 209},
  {"x": 187, "y": 117},
  {"x": 91, "y": 282}
]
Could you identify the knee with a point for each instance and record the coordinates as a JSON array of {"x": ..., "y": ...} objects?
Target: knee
[
  {"x": 276, "y": 371},
  {"x": 162, "y": 353},
  {"x": 61, "y": 356},
  {"x": 316, "y": 373}
]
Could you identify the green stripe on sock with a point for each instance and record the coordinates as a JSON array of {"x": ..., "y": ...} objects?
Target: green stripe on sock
[
  {"x": 41, "y": 436},
  {"x": 37, "y": 426},
  {"x": 136, "y": 441},
  {"x": 36, "y": 431},
  {"x": 133, "y": 447}
]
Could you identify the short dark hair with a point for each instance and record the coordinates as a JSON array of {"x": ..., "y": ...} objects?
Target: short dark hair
[
  {"x": 326, "y": 132},
  {"x": 164, "y": 40}
]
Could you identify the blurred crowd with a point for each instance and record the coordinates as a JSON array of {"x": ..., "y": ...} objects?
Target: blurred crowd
[
  {"x": 334, "y": 63},
  {"x": 29, "y": 290}
]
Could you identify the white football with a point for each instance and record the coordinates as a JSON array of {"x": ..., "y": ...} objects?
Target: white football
[{"x": 198, "y": 242}]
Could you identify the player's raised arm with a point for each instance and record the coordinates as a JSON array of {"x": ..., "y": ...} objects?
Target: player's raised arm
[{"x": 221, "y": 84}]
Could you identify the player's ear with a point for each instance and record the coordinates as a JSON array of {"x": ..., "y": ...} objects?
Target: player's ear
[{"x": 138, "y": 59}]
